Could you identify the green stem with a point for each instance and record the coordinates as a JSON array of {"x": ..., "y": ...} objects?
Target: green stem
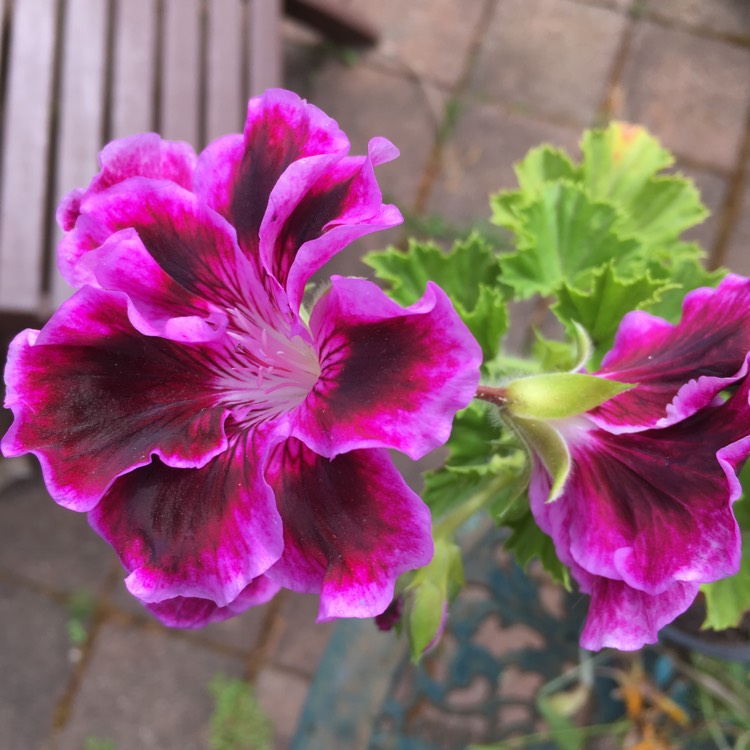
[{"x": 448, "y": 524}]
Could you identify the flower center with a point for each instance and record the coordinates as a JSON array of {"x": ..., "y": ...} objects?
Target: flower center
[{"x": 268, "y": 370}]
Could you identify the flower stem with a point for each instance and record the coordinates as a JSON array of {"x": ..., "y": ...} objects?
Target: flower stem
[
  {"x": 493, "y": 395},
  {"x": 448, "y": 524}
]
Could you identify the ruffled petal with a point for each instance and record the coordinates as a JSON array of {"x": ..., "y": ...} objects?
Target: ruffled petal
[
  {"x": 624, "y": 618},
  {"x": 203, "y": 533},
  {"x": 654, "y": 507},
  {"x": 143, "y": 155},
  {"x": 191, "y": 612},
  {"x": 157, "y": 304},
  {"x": 351, "y": 527},
  {"x": 93, "y": 399},
  {"x": 237, "y": 180},
  {"x": 319, "y": 206},
  {"x": 391, "y": 377},
  {"x": 679, "y": 369},
  {"x": 188, "y": 241}
]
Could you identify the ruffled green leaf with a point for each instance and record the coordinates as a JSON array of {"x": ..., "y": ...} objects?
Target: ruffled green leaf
[
  {"x": 468, "y": 275},
  {"x": 601, "y": 309},
  {"x": 564, "y": 236},
  {"x": 684, "y": 278},
  {"x": 486, "y": 467},
  {"x": 545, "y": 164}
]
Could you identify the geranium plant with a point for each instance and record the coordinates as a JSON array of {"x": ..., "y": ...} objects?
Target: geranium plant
[{"x": 226, "y": 430}]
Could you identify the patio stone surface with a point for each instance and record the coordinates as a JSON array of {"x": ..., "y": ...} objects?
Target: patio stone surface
[
  {"x": 479, "y": 154},
  {"x": 48, "y": 544},
  {"x": 731, "y": 17},
  {"x": 145, "y": 690},
  {"x": 463, "y": 90},
  {"x": 692, "y": 92},
  {"x": 549, "y": 57},
  {"x": 34, "y": 665},
  {"x": 428, "y": 38},
  {"x": 281, "y": 695}
]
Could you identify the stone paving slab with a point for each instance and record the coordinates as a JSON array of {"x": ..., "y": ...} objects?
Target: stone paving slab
[
  {"x": 241, "y": 633},
  {"x": 282, "y": 695},
  {"x": 302, "y": 640},
  {"x": 713, "y": 190},
  {"x": 429, "y": 38},
  {"x": 692, "y": 92},
  {"x": 145, "y": 690},
  {"x": 479, "y": 155},
  {"x": 549, "y": 57},
  {"x": 48, "y": 544},
  {"x": 738, "y": 252},
  {"x": 731, "y": 17},
  {"x": 34, "y": 665}
]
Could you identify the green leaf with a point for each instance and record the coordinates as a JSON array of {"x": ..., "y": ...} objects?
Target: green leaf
[
  {"x": 527, "y": 542},
  {"x": 727, "y": 600},
  {"x": 601, "y": 309},
  {"x": 468, "y": 275},
  {"x": 545, "y": 164},
  {"x": 485, "y": 460},
  {"x": 556, "y": 395},
  {"x": 565, "y": 235},
  {"x": 687, "y": 276},
  {"x": 621, "y": 166},
  {"x": 620, "y": 160}
]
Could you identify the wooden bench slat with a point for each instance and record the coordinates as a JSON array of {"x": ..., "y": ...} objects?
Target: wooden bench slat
[
  {"x": 81, "y": 111},
  {"x": 264, "y": 57},
  {"x": 226, "y": 104},
  {"x": 134, "y": 67},
  {"x": 180, "y": 91},
  {"x": 24, "y": 180}
]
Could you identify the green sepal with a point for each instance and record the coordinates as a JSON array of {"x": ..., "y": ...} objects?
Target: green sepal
[
  {"x": 429, "y": 593},
  {"x": 557, "y": 395},
  {"x": 467, "y": 274},
  {"x": 544, "y": 440}
]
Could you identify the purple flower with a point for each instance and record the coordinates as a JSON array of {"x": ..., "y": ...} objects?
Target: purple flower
[
  {"x": 646, "y": 514},
  {"x": 224, "y": 444}
]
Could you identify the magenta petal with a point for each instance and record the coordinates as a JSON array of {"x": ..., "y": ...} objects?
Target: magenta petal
[
  {"x": 157, "y": 304},
  {"x": 93, "y": 399},
  {"x": 203, "y": 533},
  {"x": 391, "y": 377},
  {"x": 653, "y": 507},
  {"x": 622, "y": 617},
  {"x": 143, "y": 155},
  {"x": 191, "y": 612},
  {"x": 351, "y": 527},
  {"x": 679, "y": 369},
  {"x": 319, "y": 206},
  {"x": 192, "y": 244},
  {"x": 281, "y": 129}
]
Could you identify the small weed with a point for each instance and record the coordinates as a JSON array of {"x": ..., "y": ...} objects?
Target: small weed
[
  {"x": 96, "y": 743},
  {"x": 80, "y": 607},
  {"x": 237, "y": 722}
]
